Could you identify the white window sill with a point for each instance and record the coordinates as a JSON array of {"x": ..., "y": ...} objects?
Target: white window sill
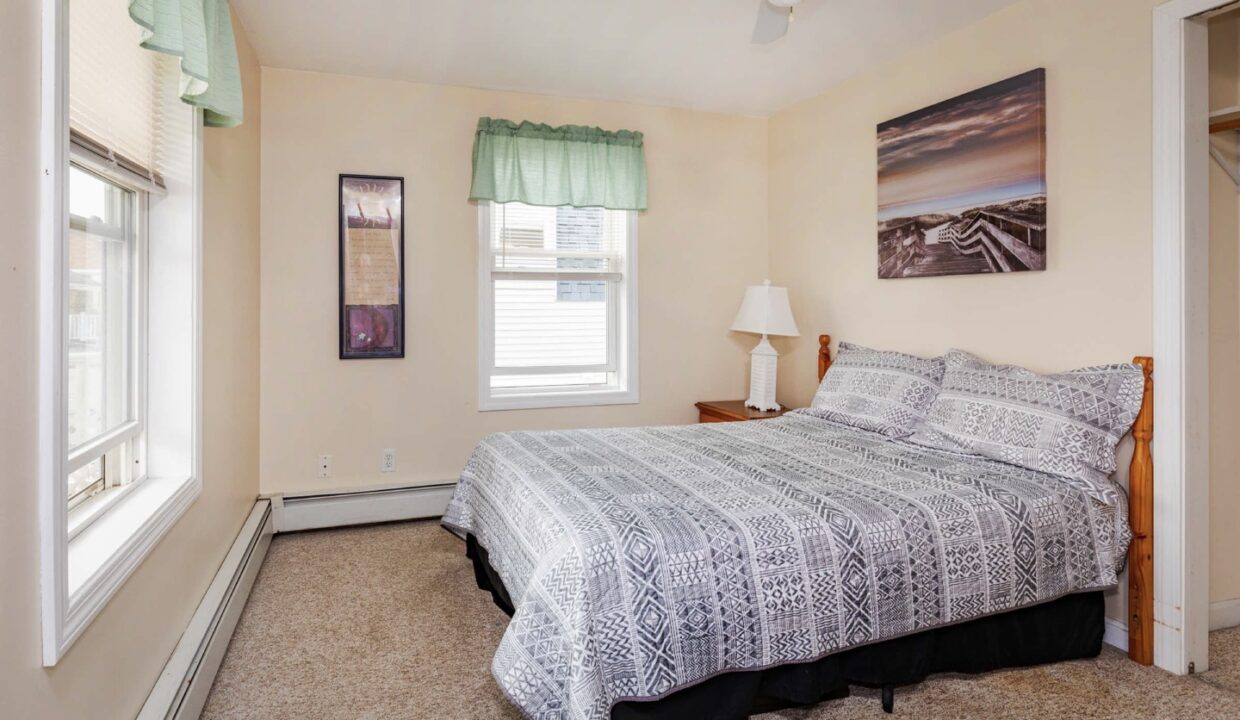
[
  {"x": 107, "y": 551},
  {"x": 566, "y": 398},
  {"x": 96, "y": 506}
]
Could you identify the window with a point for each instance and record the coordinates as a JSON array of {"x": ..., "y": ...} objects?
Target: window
[
  {"x": 558, "y": 306},
  {"x": 119, "y": 273},
  {"x": 103, "y": 343}
]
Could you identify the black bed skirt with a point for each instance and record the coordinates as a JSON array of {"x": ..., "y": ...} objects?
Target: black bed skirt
[{"x": 1069, "y": 628}]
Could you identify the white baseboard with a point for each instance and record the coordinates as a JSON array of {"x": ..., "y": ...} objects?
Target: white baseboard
[
  {"x": 337, "y": 509},
  {"x": 1115, "y": 634},
  {"x": 1224, "y": 614},
  {"x": 182, "y": 688}
]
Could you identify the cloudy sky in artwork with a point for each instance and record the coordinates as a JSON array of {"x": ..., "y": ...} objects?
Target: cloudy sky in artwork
[{"x": 982, "y": 147}]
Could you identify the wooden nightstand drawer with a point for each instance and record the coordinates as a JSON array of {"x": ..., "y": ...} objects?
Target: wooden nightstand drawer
[{"x": 731, "y": 411}]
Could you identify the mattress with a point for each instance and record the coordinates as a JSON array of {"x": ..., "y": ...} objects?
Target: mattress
[{"x": 641, "y": 561}]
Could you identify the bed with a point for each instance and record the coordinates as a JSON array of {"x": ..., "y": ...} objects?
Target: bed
[{"x": 718, "y": 570}]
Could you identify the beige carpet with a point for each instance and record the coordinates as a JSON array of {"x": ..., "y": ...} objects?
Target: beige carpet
[
  {"x": 386, "y": 622},
  {"x": 1224, "y": 659}
]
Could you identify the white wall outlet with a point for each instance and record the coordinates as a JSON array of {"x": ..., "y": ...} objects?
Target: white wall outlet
[
  {"x": 325, "y": 466},
  {"x": 389, "y": 460}
]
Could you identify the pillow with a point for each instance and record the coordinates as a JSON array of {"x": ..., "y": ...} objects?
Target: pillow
[
  {"x": 1066, "y": 424},
  {"x": 877, "y": 390}
]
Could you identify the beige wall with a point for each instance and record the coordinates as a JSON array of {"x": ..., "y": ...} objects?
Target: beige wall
[
  {"x": 702, "y": 240},
  {"x": 1091, "y": 304},
  {"x": 1224, "y": 321},
  {"x": 114, "y": 664}
]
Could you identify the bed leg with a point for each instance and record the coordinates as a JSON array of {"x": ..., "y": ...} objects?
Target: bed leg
[{"x": 889, "y": 699}]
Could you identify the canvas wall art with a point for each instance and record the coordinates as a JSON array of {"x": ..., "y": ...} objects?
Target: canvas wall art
[
  {"x": 962, "y": 183},
  {"x": 372, "y": 267}
]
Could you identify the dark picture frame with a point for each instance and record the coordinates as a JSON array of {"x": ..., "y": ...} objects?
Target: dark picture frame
[
  {"x": 962, "y": 183},
  {"x": 371, "y": 229}
]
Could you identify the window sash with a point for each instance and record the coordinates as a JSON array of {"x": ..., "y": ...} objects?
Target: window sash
[
  {"x": 566, "y": 274},
  {"x": 124, "y": 223},
  {"x": 105, "y": 351},
  {"x": 611, "y": 337},
  {"x": 91, "y": 450}
]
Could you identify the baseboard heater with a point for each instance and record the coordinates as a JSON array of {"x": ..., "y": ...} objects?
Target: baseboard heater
[
  {"x": 361, "y": 507},
  {"x": 182, "y": 688}
]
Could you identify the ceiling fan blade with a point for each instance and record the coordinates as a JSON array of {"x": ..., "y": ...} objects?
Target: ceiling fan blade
[{"x": 772, "y": 23}]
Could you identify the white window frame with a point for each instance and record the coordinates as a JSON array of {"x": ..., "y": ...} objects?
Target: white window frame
[
  {"x": 623, "y": 351},
  {"x": 80, "y": 574}
]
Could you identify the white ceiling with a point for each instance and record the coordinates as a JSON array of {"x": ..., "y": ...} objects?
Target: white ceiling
[{"x": 683, "y": 53}]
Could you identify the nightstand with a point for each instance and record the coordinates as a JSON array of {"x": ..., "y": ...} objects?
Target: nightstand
[{"x": 732, "y": 411}]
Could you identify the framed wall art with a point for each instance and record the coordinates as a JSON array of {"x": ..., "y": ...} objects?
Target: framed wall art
[
  {"x": 372, "y": 267},
  {"x": 962, "y": 183}
]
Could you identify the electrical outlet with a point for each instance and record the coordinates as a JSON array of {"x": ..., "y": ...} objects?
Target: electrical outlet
[
  {"x": 325, "y": 466},
  {"x": 389, "y": 460}
]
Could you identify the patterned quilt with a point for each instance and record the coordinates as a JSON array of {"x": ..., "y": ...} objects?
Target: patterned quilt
[{"x": 644, "y": 560}]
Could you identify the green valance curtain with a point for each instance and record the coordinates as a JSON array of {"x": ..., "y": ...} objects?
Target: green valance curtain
[
  {"x": 569, "y": 165},
  {"x": 199, "y": 32}
]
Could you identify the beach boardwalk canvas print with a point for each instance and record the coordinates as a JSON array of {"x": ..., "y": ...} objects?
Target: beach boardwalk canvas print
[{"x": 962, "y": 184}]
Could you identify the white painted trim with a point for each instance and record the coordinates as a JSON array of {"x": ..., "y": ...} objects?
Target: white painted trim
[
  {"x": 340, "y": 508},
  {"x": 627, "y": 336},
  {"x": 53, "y": 216},
  {"x": 84, "y": 604},
  {"x": 1224, "y": 614},
  {"x": 64, "y": 617},
  {"x": 486, "y": 317},
  {"x": 1115, "y": 634},
  {"x": 185, "y": 682},
  {"x": 554, "y": 399},
  {"x": 1180, "y": 297}
]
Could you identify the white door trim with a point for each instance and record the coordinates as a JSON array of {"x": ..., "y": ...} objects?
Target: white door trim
[{"x": 1181, "y": 340}]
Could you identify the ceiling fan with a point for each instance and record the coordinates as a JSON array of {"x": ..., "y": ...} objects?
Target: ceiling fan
[{"x": 773, "y": 19}]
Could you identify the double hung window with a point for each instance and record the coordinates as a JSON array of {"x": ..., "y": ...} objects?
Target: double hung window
[
  {"x": 557, "y": 293},
  {"x": 119, "y": 306}
]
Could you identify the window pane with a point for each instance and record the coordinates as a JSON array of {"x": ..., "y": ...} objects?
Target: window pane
[
  {"x": 99, "y": 306},
  {"x": 551, "y": 239},
  {"x": 535, "y": 325},
  {"x": 86, "y": 480}
]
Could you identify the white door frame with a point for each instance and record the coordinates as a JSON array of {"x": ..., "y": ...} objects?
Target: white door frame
[{"x": 1181, "y": 340}]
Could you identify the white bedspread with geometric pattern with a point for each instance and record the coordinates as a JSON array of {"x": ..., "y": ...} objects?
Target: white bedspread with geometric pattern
[{"x": 643, "y": 560}]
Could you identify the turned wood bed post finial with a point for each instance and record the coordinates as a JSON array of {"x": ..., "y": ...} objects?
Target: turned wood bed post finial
[
  {"x": 1141, "y": 517},
  {"x": 824, "y": 355}
]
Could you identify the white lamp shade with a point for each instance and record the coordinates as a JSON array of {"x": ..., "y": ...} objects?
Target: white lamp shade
[{"x": 765, "y": 310}]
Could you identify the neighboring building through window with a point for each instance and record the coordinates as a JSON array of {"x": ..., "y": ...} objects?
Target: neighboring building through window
[{"x": 558, "y": 306}]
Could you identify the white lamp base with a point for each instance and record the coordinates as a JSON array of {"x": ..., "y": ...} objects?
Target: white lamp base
[{"x": 762, "y": 369}]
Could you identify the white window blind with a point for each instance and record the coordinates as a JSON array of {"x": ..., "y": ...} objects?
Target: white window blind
[
  {"x": 125, "y": 116},
  {"x": 557, "y": 289}
]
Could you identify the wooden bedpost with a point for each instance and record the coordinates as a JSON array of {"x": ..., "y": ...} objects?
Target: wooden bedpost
[
  {"x": 824, "y": 355},
  {"x": 1141, "y": 517}
]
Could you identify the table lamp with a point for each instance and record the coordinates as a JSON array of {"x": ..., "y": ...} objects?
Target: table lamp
[{"x": 764, "y": 311}]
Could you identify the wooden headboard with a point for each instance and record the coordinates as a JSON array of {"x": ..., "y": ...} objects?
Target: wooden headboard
[
  {"x": 1141, "y": 518},
  {"x": 1140, "y": 514},
  {"x": 824, "y": 355}
]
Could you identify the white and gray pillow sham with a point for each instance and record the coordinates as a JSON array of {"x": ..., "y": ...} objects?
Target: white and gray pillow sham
[
  {"x": 1066, "y": 424},
  {"x": 878, "y": 390}
]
